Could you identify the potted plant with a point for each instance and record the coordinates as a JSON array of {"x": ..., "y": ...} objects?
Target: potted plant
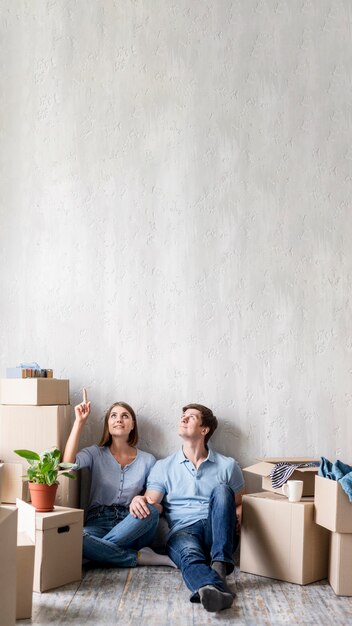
[{"x": 43, "y": 472}]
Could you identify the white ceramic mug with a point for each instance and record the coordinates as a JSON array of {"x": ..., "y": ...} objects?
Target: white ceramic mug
[{"x": 293, "y": 489}]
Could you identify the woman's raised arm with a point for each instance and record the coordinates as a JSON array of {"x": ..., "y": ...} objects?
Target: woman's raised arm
[{"x": 82, "y": 411}]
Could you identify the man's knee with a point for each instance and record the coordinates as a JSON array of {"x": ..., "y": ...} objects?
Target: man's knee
[
  {"x": 154, "y": 513},
  {"x": 222, "y": 493}
]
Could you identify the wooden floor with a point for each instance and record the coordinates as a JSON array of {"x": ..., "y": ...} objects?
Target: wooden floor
[{"x": 156, "y": 596}]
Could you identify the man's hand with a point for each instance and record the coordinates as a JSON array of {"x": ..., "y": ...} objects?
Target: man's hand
[{"x": 139, "y": 508}]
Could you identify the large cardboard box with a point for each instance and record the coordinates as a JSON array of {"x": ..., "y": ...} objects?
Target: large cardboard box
[
  {"x": 1, "y": 468},
  {"x": 340, "y": 563},
  {"x": 32, "y": 428},
  {"x": 14, "y": 484},
  {"x": 279, "y": 539},
  {"x": 8, "y": 538},
  {"x": 34, "y": 391},
  {"x": 38, "y": 428},
  {"x": 265, "y": 466},
  {"x": 58, "y": 548},
  {"x": 333, "y": 510}
]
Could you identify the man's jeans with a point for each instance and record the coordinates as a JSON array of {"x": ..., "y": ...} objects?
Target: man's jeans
[
  {"x": 194, "y": 548},
  {"x": 112, "y": 535}
]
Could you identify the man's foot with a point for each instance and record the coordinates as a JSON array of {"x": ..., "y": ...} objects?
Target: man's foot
[
  {"x": 214, "y": 600},
  {"x": 147, "y": 556},
  {"x": 220, "y": 568}
]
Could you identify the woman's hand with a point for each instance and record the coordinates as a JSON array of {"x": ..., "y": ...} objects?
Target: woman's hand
[
  {"x": 139, "y": 507},
  {"x": 82, "y": 410}
]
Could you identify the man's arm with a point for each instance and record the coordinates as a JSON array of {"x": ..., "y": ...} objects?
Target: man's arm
[{"x": 138, "y": 506}]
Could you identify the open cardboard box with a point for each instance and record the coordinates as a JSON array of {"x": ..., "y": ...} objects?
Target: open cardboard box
[
  {"x": 279, "y": 539},
  {"x": 58, "y": 545},
  {"x": 333, "y": 510},
  {"x": 265, "y": 466}
]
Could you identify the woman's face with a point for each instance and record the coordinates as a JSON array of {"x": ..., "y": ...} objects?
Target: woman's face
[{"x": 120, "y": 422}]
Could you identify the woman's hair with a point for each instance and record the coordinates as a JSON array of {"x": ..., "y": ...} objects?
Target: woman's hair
[{"x": 106, "y": 438}]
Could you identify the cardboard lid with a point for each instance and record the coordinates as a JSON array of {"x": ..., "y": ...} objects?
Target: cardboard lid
[
  {"x": 288, "y": 459},
  {"x": 60, "y": 516},
  {"x": 265, "y": 466},
  {"x": 269, "y": 495}
]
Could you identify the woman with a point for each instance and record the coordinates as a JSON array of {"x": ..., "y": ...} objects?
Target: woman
[{"x": 118, "y": 473}]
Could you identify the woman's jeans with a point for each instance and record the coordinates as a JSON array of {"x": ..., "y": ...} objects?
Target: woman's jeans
[
  {"x": 194, "y": 548},
  {"x": 112, "y": 535}
]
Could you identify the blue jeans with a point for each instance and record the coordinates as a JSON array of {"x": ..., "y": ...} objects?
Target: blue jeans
[
  {"x": 194, "y": 548},
  {"x": 112, "y": 535}
]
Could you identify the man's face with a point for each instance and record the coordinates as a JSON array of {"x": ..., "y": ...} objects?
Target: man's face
[{"x": 191, "y": 425}]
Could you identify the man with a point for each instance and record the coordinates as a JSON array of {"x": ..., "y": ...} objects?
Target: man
[{"x": 201, "y": 492}]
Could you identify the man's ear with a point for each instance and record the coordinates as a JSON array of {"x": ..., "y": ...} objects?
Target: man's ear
[{"x": 205, "y": 430}]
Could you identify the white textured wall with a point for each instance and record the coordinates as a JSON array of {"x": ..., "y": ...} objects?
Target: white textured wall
[{"x": 176, "y": 212}]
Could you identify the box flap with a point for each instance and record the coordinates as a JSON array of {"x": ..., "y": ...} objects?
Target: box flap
[
  {"x": 261, "y": 469},
  {"x": 23, "y": 539},
  {"x": 265, "y": 466},
  {"x": 60, "y": 516},
  {"x": 26, "y": 518},
  {"x": 289, "y": 459}
]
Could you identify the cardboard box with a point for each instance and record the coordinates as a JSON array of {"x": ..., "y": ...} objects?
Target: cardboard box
[
  {"x": 58, "y": 548},
  {"x": 265, "y": 466},
  {"x": 333, "y": 510},
  {"x": 58, "y": 545},
  {"x": 24, "y": 580},
  {"x": 34, "y": 391},
  {"x": 279, "y": 539},
  {"x": 38, "y": 428},
  {"x": 8, "y": 538},
  {"x": 1, "y": 468},
  {"x": 340, "y": 577},
  {"x": 14, "y": 484}
]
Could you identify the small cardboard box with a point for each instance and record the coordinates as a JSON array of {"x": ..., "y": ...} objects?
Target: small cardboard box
[
  {"x": 34, "y": 391},
  {"x": 333, "y": 510},
  {"x": 58, "y": 537},
  {"x": 265, "y": 466},
  {"x": 25, "y": 571},
  {"x": 13, "y": 484},
  {"x": 340, "y": 577},
  {"x": 8, "y": 538},
  {"x": 279, "y": 539},
  {"x": 58, "y": 548}
]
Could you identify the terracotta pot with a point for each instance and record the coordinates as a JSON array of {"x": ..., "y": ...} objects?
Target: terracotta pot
[{"x": 43, "y": 496}]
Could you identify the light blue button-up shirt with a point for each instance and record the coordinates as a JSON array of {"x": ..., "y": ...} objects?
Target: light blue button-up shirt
[{"x": 187, "y": 490}]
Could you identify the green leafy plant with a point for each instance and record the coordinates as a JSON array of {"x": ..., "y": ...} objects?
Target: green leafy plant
[{"x": 44, "y": 468}]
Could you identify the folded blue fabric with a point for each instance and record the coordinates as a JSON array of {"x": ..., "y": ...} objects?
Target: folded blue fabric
[{"x": 338, "y": 471}]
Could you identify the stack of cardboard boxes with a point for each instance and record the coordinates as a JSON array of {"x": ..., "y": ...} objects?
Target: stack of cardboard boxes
[
  {"x": 47, "y": 549},
  {"x": 333, "y": 511},
  {"x": 35, "y": 414},
  {"x": 280, "y": 539}
]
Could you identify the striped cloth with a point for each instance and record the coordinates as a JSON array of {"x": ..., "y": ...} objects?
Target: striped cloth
[{"x": 282, "y": 471}]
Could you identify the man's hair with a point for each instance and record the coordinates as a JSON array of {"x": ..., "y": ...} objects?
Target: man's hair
[{"x": 208, "y": 418}]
